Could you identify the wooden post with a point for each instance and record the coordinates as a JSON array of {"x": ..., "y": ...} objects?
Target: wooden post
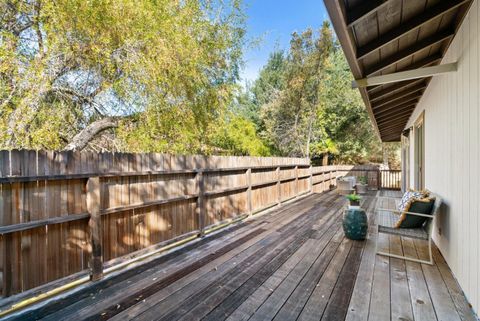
[
  {"x": 201, "y": 209},
  {"x": 249, "y": 191},
  {"x": 311, "y": 178},
  {"x": 279, "y": 187},
  {"x": 95, "y": 225},
  {"x": 329, "y": 180},
  {"x": 296, "y": 181},
  {"x": 379, "y": 179}
]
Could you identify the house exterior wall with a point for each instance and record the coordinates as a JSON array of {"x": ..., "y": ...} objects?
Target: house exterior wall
[{"x": 452, "y": 155}]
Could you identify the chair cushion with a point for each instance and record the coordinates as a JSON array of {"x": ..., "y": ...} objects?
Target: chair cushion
[
  {"x": 408, "y": 196},
  {"x": 416, "y": 205}
]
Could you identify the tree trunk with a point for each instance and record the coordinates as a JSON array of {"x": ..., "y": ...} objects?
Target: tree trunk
[
  {"x": 325, "y": 159},
  {"x": 81, "y": 140},
  {"x": 309, "y": 138}
]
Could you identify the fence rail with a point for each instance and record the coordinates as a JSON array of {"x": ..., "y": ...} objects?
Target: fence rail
[{"x": 68, "y": 212}]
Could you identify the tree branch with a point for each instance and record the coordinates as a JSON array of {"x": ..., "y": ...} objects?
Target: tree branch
[
  {"x": 83, "y": 98},
  {"x": 81, "y": 140}
]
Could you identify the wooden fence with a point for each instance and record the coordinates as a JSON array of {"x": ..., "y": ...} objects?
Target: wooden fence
[
  {"x": 71, "y": 213},
  {"x": 376, "y": 178}
]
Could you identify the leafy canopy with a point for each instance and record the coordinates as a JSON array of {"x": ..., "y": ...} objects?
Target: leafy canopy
[
  {"x": 165, "y": 69},
  {"x": 303, "y": 105}
]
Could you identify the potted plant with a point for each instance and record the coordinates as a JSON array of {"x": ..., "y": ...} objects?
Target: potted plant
[
  {"x": 354, "y": 200},
  {"x": 355, "y": 222},
  {"x": 362, "y": 186}
]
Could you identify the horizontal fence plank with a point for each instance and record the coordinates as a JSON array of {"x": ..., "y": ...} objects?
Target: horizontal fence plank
[
  {"x": 39, "y": 223},
  {"x": 146, "y": 204},
  {"x": 25, "y": 179},
  {"x": 227, "y": 191}
]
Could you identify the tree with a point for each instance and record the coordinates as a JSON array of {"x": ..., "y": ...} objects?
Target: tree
[
  {"x": 290, "y": 113},
  {"x": 270, "y": 79},
  {"x": 238, "y": 136},
  {"x": 249, "y": 100},
  {"x": 160, "y": 72},
  {"x": 343, "y": 116},
  {"x": 306, "y": 105}
]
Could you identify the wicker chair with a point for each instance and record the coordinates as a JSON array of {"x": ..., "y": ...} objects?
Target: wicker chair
[{"x": 386, "y": 220}]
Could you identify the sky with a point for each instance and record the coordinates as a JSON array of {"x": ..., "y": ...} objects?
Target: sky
[{"x": 273, "y": 21}]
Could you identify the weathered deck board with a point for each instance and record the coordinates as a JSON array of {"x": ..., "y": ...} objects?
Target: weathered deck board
[
  {"x": 379, "y": 309},
  {"x": 291, "y": 264},
  {"x": 420, "y": 297}
]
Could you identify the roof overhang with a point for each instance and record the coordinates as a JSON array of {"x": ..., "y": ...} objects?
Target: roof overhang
[{"x": 391, "y": 47}]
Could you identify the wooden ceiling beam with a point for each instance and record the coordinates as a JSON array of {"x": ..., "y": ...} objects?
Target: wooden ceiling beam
[
  {"x": 396, "y": 108},
  {"x": 410, "y": 51},
  {"x": 389, "y": 91},
  {"x": 425, "y": 72},
  {"x": 392, "y": 138},
  {"x": 395, "y": 126},
  {"x": 419, "y": 64},
  {"x": 409, "y": 107},
  {"x": 400, "y": 123},
  {"x": 409, "y": 98},
  {"x": 400, "y": 95},
  {"x": 394, "y": 115},
  {"x": 363, "y": 10},
  {"x": 402, "y": 113},
  {"x": 425, "y": 62},
  {"x": 408, "y": 26},
  {"x": 401, "y": 120},
  {"x": 393, "y": 135},
  {"x": 392, "y": 128}
]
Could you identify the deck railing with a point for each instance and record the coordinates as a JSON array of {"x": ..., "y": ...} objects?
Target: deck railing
[
  {"x": 390, "y": 179},
  {"x": 66, "y": 214},
  {"x": 376, "y": 178}
]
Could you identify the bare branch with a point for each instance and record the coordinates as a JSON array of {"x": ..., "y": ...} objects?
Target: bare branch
[{"x": 81, "y": 140}]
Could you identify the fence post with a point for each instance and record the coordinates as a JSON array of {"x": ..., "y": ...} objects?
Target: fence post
[
  {"x": 311, "y": 179},
  {"x": 330, "y": 180},
  {"x": 95, "y": 225},
  {"x": 379, "y": 179},
  {"x": 201, "y": 209},
  {"x": 249, "y": 191},
  {"x": 296, "y": 181},
  {"x": 279, "y": 188}
]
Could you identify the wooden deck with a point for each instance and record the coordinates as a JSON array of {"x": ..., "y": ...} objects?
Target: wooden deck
[{"x": 291, "y": 264}]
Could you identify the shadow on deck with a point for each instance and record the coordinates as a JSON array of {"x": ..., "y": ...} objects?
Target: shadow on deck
[{"x": 293, "y": 263}]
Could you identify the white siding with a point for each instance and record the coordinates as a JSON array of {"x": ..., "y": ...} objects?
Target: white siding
[{"x": 452, "y": 155}]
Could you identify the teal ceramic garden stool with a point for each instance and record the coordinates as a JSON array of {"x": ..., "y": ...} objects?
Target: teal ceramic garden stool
[{"x": 355, "y": 224}]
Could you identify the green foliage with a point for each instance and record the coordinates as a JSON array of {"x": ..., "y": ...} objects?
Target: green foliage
[
  {"x": 291, "y": 112},
  {"x": 168, "y": 69},
  {"x": 303, "y": 103},
  {"x": 238, "y": 136},
  {"x": 323, "y": 146},
  {"x": 270, "y": 79},
  {"x": 353, "y": 197},
  {"x": 343, "y": 115},
  {"x": 363, "y": 180}
]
